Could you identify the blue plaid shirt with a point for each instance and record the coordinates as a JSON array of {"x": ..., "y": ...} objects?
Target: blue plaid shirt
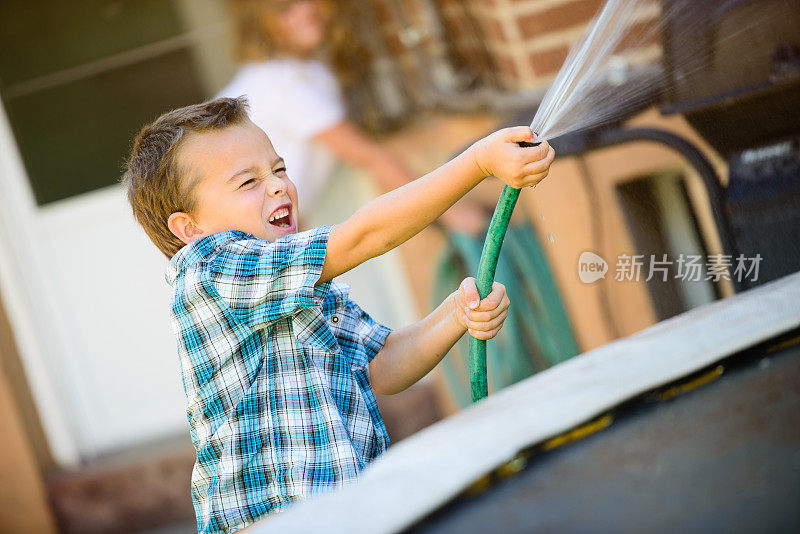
[{"x": 275, "y": 371}]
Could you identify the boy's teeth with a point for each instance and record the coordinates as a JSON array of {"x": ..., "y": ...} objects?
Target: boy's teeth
[{"x": 283, "y": 212}]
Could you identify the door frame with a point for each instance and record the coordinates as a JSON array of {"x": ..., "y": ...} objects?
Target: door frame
[{"x": 31, "y": 308}]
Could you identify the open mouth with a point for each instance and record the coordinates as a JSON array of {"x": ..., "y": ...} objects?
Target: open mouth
[{"x": 281, "y": 217}]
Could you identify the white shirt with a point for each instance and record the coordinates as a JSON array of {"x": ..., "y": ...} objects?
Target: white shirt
[{"x": 293, "y": 100}]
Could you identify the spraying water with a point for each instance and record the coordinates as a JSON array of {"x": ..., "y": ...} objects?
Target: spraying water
[
  {"x": 594, "y": 87},
  {"x": 581, "y": 93}
]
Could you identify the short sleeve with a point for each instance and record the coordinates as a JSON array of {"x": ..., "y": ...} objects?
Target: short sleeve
[
  {"x": 263, "y": 282},
  {"x": 370, "y": 333}
]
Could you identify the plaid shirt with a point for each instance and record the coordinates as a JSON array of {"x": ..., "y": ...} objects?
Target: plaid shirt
[{"x": 275, "y": 371}]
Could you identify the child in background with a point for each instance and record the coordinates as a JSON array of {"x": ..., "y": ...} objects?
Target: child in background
[
  {"x": 284, "y": 48},
  {"x": 279, "y": 366}
]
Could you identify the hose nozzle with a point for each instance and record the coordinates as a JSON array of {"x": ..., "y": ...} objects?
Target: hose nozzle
[{"x": 525, "y": 144}]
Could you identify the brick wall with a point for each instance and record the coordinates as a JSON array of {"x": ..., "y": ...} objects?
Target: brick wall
[
  {"x": 510, "y": 44},
  {"x": 529, "y": 40},
  {"x": 412, "y": 55}
]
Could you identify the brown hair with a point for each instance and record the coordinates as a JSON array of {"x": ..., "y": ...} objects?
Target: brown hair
[
  {"x": 255, "y": 26},
  {"x": 252, "y": 41},
  {"x": 156, "y": 185}
]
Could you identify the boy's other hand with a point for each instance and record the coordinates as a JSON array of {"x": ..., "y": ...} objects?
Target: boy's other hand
[
  {"x": 482, "y": 318},
  {"x": 499, "y": 154}
]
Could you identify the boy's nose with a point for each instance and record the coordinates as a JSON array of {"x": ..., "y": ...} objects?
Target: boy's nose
[{"x": 275, "y": 186}]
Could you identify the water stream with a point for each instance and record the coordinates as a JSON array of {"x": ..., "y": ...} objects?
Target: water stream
[{"x": 597, "y": 83}]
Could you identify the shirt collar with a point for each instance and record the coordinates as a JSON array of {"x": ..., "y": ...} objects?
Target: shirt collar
[{"x": 200, "y": 250}]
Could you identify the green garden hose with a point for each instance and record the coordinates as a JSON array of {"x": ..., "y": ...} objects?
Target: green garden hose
[
  {"x": 485, "y": 279},
  {"x": 537, "y": 332}
]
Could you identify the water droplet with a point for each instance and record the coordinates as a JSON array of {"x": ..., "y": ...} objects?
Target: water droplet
[
  {"x": 542, "y": 214},
  {"x": 551, "y": 238}
]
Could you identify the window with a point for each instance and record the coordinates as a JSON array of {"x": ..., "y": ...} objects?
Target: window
[{"x": 79, "y": 79}]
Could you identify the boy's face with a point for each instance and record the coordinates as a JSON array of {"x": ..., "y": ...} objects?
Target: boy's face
[{"x": 241, "y": 183}]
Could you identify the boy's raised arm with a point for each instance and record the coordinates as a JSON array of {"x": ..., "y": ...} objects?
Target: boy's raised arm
[{"x": 393, "y": 218}]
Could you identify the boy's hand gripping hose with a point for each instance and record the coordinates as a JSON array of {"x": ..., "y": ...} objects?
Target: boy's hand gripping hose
[{"x": 485, "y": 278}]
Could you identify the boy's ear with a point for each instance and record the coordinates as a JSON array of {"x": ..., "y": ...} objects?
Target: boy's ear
[{"x": 184, "y": 228}]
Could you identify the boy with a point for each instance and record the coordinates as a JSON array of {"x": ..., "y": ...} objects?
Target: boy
[{"x": 278, "y": 364}]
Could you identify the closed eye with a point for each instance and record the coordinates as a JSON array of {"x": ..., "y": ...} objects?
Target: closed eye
[
  {"x": 280, "y": 170},
  {"x": 247, "y": 182}
]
